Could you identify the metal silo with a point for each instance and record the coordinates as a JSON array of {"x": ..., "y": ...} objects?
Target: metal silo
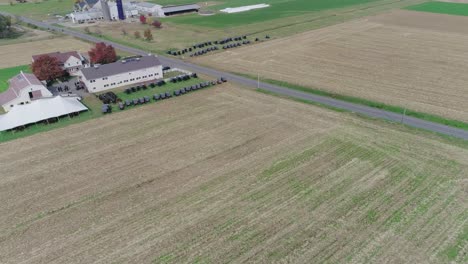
[{"x": 120, "y": 10}]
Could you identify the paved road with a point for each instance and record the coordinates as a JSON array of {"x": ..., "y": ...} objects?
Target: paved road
[{"x": 364, "y": 110}]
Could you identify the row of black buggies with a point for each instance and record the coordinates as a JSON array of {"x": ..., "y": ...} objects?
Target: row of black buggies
[
  {"x": 206, "y": 44},
  {"x": 144, "y": 87},
  {"x": 107, "y": 108},
  {"x": 223, "y": 42},
  {"x": 109, "y": 97},
  {"x": 238, "y": 44},
  {"x": 204, "y": 51},
  {"x": 160, "y": 83}
]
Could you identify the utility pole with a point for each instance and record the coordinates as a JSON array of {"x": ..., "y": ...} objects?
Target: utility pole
[
  {"x": 258, "y": 80},
  {"x": 403, "y": 116}
]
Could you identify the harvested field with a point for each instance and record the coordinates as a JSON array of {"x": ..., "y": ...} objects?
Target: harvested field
[
  {"x": 21, "y": 53},
  {"x": 227, "y": 174},
  {"x": 28, "y": 35},
  {"x": 408, "y": 59}
]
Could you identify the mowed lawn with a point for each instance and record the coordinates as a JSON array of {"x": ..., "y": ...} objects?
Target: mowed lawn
[
  {"x": 39, "y": 10},
  {"x": 8, "y": 73},
  {"x": 459, "y": 9},
  {"x": 278, "y": 9},
  {"x": 228, "y": 175}
]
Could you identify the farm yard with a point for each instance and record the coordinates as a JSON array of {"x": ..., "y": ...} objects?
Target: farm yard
[
  {"x": 409, "y": 59},
  {"x": 94, "y": 104},
  {"x": 229, "y": 174}
]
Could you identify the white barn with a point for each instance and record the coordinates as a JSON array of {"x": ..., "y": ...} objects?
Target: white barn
[
  {"x": 121, "y": 73},
  {"x": 86, "y": 16},
  {"x": 96, "y": 13},
  {"x": 23, "y": 88},
  {"x": 149, "y": 8}
]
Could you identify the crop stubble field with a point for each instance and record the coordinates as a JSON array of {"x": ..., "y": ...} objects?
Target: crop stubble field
[
  {"x": 228, "y": 174},
  {"x": 21, "y": 53},
  {"x": 404, "y": 58}
]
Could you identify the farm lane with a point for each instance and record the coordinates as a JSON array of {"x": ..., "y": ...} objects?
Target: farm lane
[{"x": 331, "y": 102}]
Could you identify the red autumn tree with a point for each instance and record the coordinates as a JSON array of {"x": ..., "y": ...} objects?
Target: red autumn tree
[
  {"x": 47, "y": 68},
  {"x": 142, "y": 19},
  {"x": 157, "y": 24},
  {"x": 102, "y": 54}
]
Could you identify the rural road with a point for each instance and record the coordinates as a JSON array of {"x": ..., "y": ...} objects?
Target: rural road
[{"x": 356, "y": 108}]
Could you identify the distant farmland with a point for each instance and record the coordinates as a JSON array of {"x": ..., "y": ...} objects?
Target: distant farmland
[
  {"x": 278, "y": 9},
  {"x": 230, "y": 175},
  {"x": 459, "y": 9}
]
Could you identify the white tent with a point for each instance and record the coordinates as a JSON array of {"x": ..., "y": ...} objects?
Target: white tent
[
  {"x": 40, "y": 110},
  {"x": 231, "y": 10}
]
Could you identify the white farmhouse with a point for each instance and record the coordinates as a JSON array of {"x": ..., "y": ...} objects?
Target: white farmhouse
[
  {"x": 86, "y": 16},
  {"x": 121, "y": 73},
  {"x": 23, "y": 88},
  {"x": 71, "y": 61}
]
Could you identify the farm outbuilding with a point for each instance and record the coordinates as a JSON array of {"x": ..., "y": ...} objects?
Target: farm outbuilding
[
  {"x": 149, "y": 8},
  {"x": 180, "y": 9},
  {"x": 23, "y": 89},
  {"x": 121, "y": 73}
]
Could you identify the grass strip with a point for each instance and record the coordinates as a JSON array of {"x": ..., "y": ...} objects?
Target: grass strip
[
  {"x": 448, "y": 139},
  {"x": 458, "y": 9},
  {"x": 361, "y": 101}
]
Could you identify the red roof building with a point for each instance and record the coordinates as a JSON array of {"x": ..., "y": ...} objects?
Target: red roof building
[{"x": 71, "y": 61}]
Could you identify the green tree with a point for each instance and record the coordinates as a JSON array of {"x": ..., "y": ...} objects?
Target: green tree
[
  {"x": 147, "y": 34},
  {"x": 137, "y": 34},
  {"x": 5, "y": 26}
]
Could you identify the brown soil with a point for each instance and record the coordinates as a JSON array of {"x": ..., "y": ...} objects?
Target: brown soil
[{"x": 230, "y": 175}]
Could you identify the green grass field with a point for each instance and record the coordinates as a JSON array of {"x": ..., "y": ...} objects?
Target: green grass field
[
  {"x": 7, "y": 73},
  {"x": 278, "y": 9},
  {"x": 40, "y": 10},
  {"x": 458, "y": 9}
]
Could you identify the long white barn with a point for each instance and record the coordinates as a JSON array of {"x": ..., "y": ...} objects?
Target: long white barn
[{"x": 121, "y": 73}]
